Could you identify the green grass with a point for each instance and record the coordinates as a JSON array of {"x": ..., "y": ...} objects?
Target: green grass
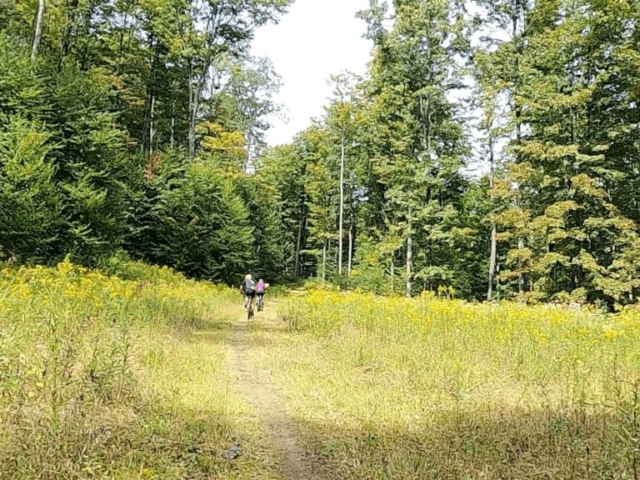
[
  {"x": 437, "y": 389},
  {"x": 106, "y": 378}
]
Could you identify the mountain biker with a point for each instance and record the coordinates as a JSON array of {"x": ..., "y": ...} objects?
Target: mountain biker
[
  {"x": 261, "y": 288},
  {"x": 248, "y": 289}
]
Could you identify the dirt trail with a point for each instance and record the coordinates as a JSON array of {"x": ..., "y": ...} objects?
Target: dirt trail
[{"x": 255, "y": 385}]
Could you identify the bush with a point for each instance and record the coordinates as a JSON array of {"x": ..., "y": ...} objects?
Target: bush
[{"x": 121, "y": 265}]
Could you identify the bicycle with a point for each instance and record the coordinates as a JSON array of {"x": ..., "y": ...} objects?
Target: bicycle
[
  {"x": 260, "y": 302},
  {"x": 249, "y": 306}
]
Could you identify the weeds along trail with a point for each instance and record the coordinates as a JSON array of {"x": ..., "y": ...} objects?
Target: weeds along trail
[{"x": 102, "y": 377}]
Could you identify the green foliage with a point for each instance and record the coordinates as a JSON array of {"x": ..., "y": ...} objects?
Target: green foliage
[
  {"x": 94, "y": 125},
  {"x": 569, "y": 164},
  {"x": 201, "y": 224},
  {"x": 30, "y": 203},
  {"x": 122, "y": 266},
  {"x": 91, "y": 166},
  {"x": 140, "y": 127},
  {"x": 264, "y": 214}
]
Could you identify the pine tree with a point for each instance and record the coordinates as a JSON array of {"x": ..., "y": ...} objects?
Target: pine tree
[{"x": 30, "y": 204}]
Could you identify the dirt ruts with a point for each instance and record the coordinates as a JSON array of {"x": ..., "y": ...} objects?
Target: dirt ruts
[{"x": 255, "y": 385}]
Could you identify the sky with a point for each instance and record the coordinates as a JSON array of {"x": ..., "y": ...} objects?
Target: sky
[{"x": 314, "y": 40}]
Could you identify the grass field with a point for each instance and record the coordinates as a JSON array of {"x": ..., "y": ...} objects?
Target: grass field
[
  {"x": 106, "y": 378},
  {"x": 154, "y": 378},
  {"x": 441, "y": 389}
]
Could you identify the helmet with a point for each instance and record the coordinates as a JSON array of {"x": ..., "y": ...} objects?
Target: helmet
[{"x": 248, "y": 276}]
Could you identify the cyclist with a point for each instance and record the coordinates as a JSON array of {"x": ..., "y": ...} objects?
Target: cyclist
[
  {"x": 248, "y": 289},
  {"x": 261, "y": 288}
]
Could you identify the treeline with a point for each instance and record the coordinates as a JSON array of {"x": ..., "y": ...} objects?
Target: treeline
[
  {"x": 544, "y": 94},
  {"x": 128, "y": 126},
  {"x": 138, "y": 127}
]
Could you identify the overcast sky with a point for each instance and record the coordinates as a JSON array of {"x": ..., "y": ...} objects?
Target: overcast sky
[{"x": 316, "y": 39}]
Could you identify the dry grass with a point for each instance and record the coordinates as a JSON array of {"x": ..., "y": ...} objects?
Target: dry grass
[
  {"x": 105, "y": 378},
  {"x": 440, "y": 389}
]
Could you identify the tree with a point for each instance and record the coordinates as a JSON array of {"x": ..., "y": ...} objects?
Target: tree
[
  {"x": 201, "y": 225},
  {"x": 30, "y": 206},
  {"x": 284, "y": 168},
  {"x": 222, "y": 28},
  {"x": 578, "y": 241},
  {"x": 340, "y": 118},
  {"x": 37, "y": 34},
  {"x": 118, "y": 89},
  {"x": 421, "y": 145}
]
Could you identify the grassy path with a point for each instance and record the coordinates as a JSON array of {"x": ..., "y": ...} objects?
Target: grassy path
[
  {"x": 256, "y": 387},
  {"x": 385, "y": 389},
  {"x": 193, "y": 374}
]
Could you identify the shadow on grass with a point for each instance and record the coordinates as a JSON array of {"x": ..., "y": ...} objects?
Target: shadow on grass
[
  {"x": 510, "y": 444},
  {"x": 469, "y": 441},
  {"x": 218, "y": 333},
  {"x": 140, "y": 441},
  {"x": 127, "y": 429}
]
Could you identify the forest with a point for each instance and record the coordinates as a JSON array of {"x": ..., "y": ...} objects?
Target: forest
[
  {"x": 491, "y": 151},
  {"x": 485, "y": 167}
]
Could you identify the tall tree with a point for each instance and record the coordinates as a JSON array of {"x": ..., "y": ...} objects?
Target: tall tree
[{"x": 421, "y": 145}]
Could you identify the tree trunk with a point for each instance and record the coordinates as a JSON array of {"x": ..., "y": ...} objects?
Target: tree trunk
[
  {"x": 351, "y": 240},
  {"x": 492, "y": 260},
  {"x": 393, "y": 275},
  {"x": 193, "y": 117},
  {"x": 494, "y": 229},
  {"x": 324, "y": 260},
  {"x": 152, "y": 123},
  {"x": 515, "y": 19},
  {"x": 341, "y": 221},
  {"x": 409, "y": 261},
  {"x": 195, "y": 91},
  {"x": 520, "y": 274},
  {"x": 173, "y": 130},
  {"x": 190, "y": 107},
  {"x": 298, "y": 245},
  {"x": 38, "y": 31},
  {"x": 194, "y": 103}
]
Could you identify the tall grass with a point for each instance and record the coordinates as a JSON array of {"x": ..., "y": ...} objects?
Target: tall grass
[
  {"x": 102, "y": 377},
  {"x": 431, "y": 388}
]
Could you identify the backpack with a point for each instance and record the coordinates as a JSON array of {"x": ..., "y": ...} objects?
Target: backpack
[
  {"x": 260, "y": 287},
  {"x": 249, "y": 286}
]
